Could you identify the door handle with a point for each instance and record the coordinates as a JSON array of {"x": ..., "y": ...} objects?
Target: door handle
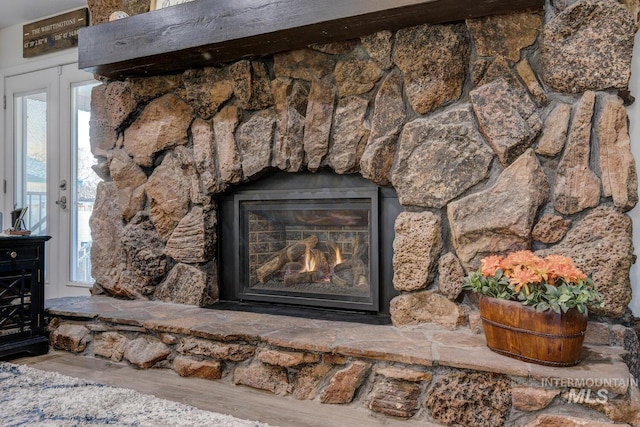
[{"x": 62, "y": 202}]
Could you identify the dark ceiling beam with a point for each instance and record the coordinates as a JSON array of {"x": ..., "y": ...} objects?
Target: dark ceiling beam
[{"x": 209, "y": 32}]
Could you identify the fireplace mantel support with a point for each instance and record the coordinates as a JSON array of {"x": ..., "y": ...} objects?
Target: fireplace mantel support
[{"x": 208, "y": 32}]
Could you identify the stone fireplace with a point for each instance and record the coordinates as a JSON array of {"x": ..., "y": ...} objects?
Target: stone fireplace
[
  {"x": 367, "y": 176},
  {"x": 490, "y": 135}
]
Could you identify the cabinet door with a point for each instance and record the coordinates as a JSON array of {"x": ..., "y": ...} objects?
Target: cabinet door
[{"x": 18, "y": 298}]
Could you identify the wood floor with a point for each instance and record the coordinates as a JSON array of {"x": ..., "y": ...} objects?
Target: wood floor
[{"x": 217, "y": 396}]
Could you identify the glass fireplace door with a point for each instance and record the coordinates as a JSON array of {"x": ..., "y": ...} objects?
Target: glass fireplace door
[{"x": 309, "y": 249}]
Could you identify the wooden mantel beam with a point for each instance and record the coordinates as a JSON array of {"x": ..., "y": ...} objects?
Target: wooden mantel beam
[{"x": 208, "y": 32}]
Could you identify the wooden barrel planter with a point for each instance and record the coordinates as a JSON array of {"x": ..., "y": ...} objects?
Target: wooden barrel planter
[{"x": 546, "y": 338}]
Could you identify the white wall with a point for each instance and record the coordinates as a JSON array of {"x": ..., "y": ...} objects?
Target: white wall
[{"x": 634, "y": 119}]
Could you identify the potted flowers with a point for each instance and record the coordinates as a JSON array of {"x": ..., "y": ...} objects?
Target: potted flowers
[{"x": 533, "y": 308}]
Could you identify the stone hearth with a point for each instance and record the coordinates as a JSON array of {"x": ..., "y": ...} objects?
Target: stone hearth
[{"x": 426, "y": 372}]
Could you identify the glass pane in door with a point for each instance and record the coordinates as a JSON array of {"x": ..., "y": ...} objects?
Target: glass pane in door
[
  {"x": 84, "y": 185},
  {"x": 31, "y": 153}
]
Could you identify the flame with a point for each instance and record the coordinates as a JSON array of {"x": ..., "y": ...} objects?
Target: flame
[
  {"x": 309, "y": 261},
  {"x": 338, "y": 256}
]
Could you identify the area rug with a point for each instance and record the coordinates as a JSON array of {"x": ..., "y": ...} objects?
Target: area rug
[{"x": 31, "y": 397}]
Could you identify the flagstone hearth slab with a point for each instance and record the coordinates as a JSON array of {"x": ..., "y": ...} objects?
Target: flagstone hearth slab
[{"x": 423, "y": 345}]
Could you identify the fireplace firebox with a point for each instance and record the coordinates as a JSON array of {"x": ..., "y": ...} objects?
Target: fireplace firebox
[{"x": 315, "y": 241}]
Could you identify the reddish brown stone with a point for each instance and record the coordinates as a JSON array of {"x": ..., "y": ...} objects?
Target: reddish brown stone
[
  {"x": 70, "y": 337},
  {"x": 286, "y": 359},
  {"x": 263, "y": 377},
  {"x": 207, "y": 369},
  {"x": 144, "y": 352},
  {"x": 395, "y": 397},
  {"x": 345, "y": 383},
  {"x": 551, "y": 228}
]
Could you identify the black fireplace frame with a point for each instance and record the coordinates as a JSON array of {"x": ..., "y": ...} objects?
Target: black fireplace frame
[{"x": 323, "y": 185}]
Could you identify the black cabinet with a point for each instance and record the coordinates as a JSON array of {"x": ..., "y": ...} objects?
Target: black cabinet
[{"x": 22, "y": 327}]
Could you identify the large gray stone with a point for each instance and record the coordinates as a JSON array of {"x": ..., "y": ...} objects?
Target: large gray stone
[
  {"x": 224, "y": 126},
  {"x": 194, "y": 238},
  {"x": 102, "y": 133},
  {"x": 144, "y": 352},
  {"x": 255, "y": 139},
  {"x": 576, "y": 57},
  {"x": 577, "y": 186},
  {"x": 416, "y": 249},
  {"x": 426, "y": 307},
  {"x": 617, "y": 165},
  {"x": 291, "y": 98},
  {"x": 379, "y": 46},
  {"x": 318, "y": 120},
  {"x": 187, "y": 284},
  {"x": 252, "y": 86},
  {"x": 554, "y": 134},
  {"x": 507, "y": 117},
  {"x": 500, "y": 218},
  {"x": 439, "y": 158},
  {"x": 434, "y": 60},
  {"x": 163, "y": 124},
  {"x": 601, "y": 244},
  {"x": 506, "y": 34},
  {"x": 130, "y": 180},
  {"x": 388, "y": 117},
  {"x": 207, "y": 89},
  {"x": 350, "y": 134},
  {"x": 168, "y": 191}
]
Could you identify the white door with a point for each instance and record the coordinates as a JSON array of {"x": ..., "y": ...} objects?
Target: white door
[{"x": 48, "y": 169}]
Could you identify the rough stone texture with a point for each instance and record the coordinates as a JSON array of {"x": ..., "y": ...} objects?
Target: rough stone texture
[
  {"x": 601, "y": 244},
  {"x": 215, "y": 350},
  {"x": 532, "y": 398},
  {"x": 378, "y": 46},
  {"x": 163, "y": 124},
  {"x": 388, "y": 117},
  {"x": 69, "y": 337},
  {"x": 355, "y": 76},
  {"x": 224, "y": 126},
  {"x": 168, "y": 191},
  {"x": 416, "y": 248},
  {"x": 344, "y": 383},
  {"x": 350, "y": 134},
  {"x": 573, "y": 47},
  {"x": 130, "y": 180},
  {"x": 186, "y": 284},
  {"x": 550, "y": 229},
  {"x": 529, "y": 78},
  {"x": 554, "y": 133},
  {"x": 286, "y": 359},
  {"x": 404, "y": 374},
  {"x": 505, "y": 35},
  {"x": 204, "y": 154},
  {"x": 107, "y": 228},
  {"x": 109, "y": 345},
  {"x": 144, "y": 352},
  {"x": 207, "y": 369},
  {"x": 470, "y": 399},
  {"x": 437, "y": 78},
  {"x": 308, "y": 380},
  {"x": 255, "y": 138},
  {"x": 318, "y": 120},
  {"x": 120, "y": 103},
  {"x": 500, "y": 218},
  {"x": 291, "y": 98},
  {"x": 551, "y": 420},
  {"x": 102, "y": 133},
  {"x": 305, "y": 64},
  {"x": 426, "y": 307},
  {"x": 252, "y": 86},
  {"x": 101, "y": 9},
  {"x": 145, "y": 89},
  {"x": 439, "y": 158},
  {"x": 617, "y": 165},
  {"x": 263, "y": 377},
  {"x": 450, "y": 276},
  {"x": 143, "y": 258},
  {"x": 194, "y": 237},
  {"x": 207, "y": 89},
  {"x": 507, "y": 118},
  {"x": 396, "y": 398},
  {"x": 577, "y": 187},
  {"x": 485, "y": 71}
]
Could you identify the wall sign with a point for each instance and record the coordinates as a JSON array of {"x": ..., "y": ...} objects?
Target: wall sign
[
  {"x": 53, "y": 34},
  {"x": 161, "y": 4}
]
